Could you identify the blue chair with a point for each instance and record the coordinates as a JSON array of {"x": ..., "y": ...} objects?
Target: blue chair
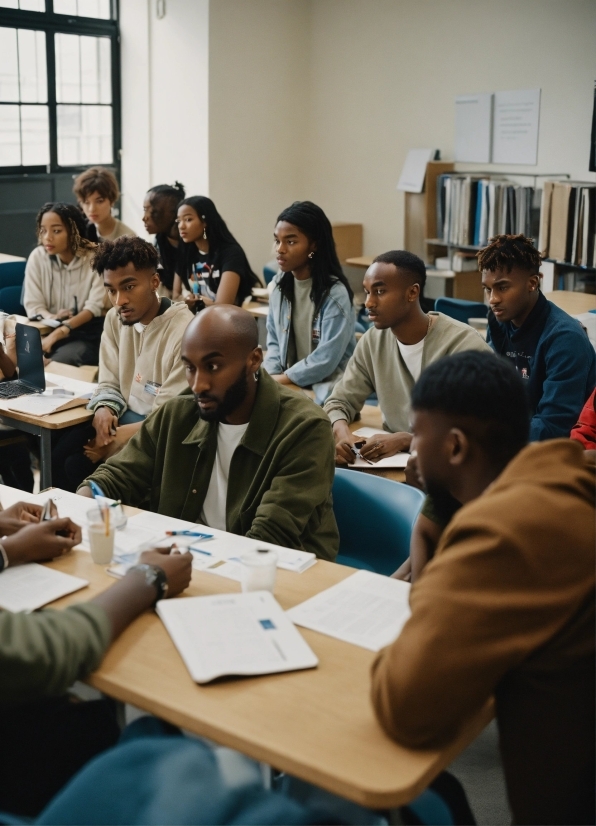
[
  {"x": 12, "y": 273},
  {"x": 375, "y": 517},
  {"x": 270, "y": 270},
  {"x": 461, "y": 309},
  {"x": 10, "y": 300}
]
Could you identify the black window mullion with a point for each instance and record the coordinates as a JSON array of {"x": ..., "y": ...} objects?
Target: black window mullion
[{"x": 52, "y": 112}]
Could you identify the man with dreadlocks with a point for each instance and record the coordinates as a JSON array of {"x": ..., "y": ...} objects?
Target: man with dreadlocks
[
  {"x": 549, "y": 348},
  {"x": 139, "y": 360}
]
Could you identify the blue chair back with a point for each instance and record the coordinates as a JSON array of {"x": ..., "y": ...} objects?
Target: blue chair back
[
  {"x": 461, "y": 309},
  {"x": 12, "y": 273},
  {"x": 270, "y": 270},
  {"x": 10, "y": 300},
  {"x": 375, "y": 517}
]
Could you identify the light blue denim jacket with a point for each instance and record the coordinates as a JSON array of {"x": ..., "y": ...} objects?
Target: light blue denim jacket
[{"x": 333, "y": 340}]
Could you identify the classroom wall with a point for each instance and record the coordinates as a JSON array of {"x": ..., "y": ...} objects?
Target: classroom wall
[
  {"x": 165, "y": 100},
  {"x": 258, "y": 114},
  {"x": 260, "y": 102},
  {"x": 386, "y": 73}
]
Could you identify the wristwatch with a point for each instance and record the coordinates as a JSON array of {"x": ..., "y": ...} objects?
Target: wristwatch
[{"x": 156, "y": 576}]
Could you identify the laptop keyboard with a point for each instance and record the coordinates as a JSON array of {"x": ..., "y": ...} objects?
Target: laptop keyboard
[{"x": 12, "y": 389}]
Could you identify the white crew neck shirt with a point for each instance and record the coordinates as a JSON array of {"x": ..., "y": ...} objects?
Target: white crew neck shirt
[
  {"x": 229, "y": 437},
  {"x": 412, "y": 356}
]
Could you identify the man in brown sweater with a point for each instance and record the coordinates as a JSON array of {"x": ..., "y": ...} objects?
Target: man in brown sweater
[{"x": 506, "y": 606}]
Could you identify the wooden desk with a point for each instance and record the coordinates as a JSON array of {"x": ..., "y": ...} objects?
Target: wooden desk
[
  {"x": 318, "y": 725},
  {"x": 256, "y": 308},
  {"x": 43, "y": 426},
  {"x": 572, "y": 302}
]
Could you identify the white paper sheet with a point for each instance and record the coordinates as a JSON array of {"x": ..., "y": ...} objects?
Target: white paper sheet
[
  {"x": 39, "y": 405},
  {"x": 414, "y": 170},
  {"x": 515, "y": 132},
  {"x": 365, "y": 609},
  {"x": 83, "y": 389},
  {"x": 473, "y": 120},
  {"x": 29, "y": 587},
  {"x": 234, "y": 634},
  {"x": 400, "y": 460}
]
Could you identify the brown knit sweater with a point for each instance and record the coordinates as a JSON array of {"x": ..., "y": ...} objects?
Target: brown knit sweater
[{"x": 506, "y": 607}]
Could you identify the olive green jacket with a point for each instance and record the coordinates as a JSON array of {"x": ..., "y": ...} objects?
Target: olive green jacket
[
  {"x": 44, "y": 653},
  {"x": 280, "y": 478}
]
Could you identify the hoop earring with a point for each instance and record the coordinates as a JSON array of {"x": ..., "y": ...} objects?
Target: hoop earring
[{"x": 311, "y": 255}]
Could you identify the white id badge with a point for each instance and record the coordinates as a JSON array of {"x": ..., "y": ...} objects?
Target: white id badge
[{"x": 153, "y": 388}]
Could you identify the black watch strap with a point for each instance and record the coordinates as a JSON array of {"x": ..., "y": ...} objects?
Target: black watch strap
[{"x": 156, "y": 576}]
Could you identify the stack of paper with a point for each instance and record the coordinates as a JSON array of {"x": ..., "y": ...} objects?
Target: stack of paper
[
  {"x": 29, "y": 587},
  {"x": 43, "y": 405},
  {"x": 365, "y": 609},
  {"x": 82, "y": 389},
  {"x": 234, "y": 634}
]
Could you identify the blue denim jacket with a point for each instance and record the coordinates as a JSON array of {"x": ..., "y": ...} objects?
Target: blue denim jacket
[{"x": 332, "y": 334}]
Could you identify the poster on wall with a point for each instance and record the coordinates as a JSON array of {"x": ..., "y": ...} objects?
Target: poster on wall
[
  {"x": 473, "y": 122},
  {"x": 515, "y": 127}
]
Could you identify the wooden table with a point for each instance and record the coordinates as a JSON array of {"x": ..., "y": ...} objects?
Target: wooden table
[
  {"x": 572, "y": 302},
  {"x": 318, "y": 725},
  {"x": 43, "y": 426}
]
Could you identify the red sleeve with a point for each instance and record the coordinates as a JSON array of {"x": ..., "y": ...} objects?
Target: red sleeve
[{"x": 585, "y": 429}]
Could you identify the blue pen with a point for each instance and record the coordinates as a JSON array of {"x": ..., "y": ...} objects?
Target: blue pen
[
  {"x": 190, "y": 533},
  {"x": 95, "y": 489},
  {"x": 201, "y": 551}
]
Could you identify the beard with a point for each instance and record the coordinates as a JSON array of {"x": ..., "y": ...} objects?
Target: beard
[
  {"x": 444, "y": 504},
  {"x": 233, "y": 398}
]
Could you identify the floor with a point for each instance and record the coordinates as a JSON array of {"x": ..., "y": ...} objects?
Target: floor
[{"x": 479, "y": 771}]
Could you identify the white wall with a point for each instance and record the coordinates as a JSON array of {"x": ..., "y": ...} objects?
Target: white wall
[
  {"x": 385, "y": 75},
  {"x": 260, "y": 102},
  {"x": 165, "y": 99},
  {"x": 258, "y": 114}
]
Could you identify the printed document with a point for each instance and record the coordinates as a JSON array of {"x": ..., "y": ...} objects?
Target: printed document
[
  {"x": 400, "y": 460},
  {"x": 29, "y": 587},
  {"x": 234, "y": 634},
  {"x": 365, "y": 609}
]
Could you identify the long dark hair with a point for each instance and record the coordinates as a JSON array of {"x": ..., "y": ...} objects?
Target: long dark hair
[
  {"x": 325, "y": 268},
  {"x": 219, "y": 236},
  {"x": 74, "y": 221}
]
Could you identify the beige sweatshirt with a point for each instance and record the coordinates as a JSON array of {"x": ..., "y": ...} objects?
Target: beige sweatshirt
[
  {"x": 377, "y": 367},
  {"x": 141, "y": 371},
  {"x": 506, "y": 607},
  {"x": 119, "y": 230},
  {"x": 51, "y": 286}
]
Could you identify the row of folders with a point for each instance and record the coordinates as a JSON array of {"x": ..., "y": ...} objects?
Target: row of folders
[
  {"x": 472, "y": 210},
  {"x": 568, "y": 222}
]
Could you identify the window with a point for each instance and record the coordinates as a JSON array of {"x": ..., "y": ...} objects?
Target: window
[{"x": 59, "y": 97}]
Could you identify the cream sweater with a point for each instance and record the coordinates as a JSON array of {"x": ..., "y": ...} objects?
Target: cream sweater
[
  {"x": 51, "y": 286},
  {"x": 141, "y": 371},
  {"x": 377, "y": 366}
]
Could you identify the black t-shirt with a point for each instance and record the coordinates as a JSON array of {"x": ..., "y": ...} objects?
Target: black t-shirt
[
  {"x": 207, "y": 269},
  {"x": 168, "y": 256}
]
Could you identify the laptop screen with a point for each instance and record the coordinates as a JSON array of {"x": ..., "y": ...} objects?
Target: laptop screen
[{"x": 30, "y": 356}]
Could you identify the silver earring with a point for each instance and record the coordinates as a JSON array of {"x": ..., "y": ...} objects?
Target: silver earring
[
  {"x": 205, "y": 233},
  {"x": 311, "y": 255},
  {"x": 256, "y": 376}
]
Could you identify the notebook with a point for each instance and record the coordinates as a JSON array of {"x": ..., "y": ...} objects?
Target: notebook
[
  {"x": 29, "y": 587},
  {"x": 234, "y": 635},
  {"x": 44, "y": 405}
]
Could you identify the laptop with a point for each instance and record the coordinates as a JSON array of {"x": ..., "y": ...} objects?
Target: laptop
[{"x": 31, "y": 378}]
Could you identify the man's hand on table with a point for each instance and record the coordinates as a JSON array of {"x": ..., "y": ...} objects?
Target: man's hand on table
[
  {"x": 176, "y": 566},
  {"x": 387, "y": 444},
  {"x": 40, "y": 542},
  {"x": 344, "y": 441},
  {"x": 19, "y": 515}
]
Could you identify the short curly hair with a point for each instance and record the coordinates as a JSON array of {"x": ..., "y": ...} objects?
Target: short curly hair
[
  {"x": 110, "y": 255},
  {"x": 507, "y": 251},
  {"x": 96, "y": 179}
]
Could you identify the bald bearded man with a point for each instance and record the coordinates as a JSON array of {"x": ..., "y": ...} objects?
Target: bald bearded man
[{"x": 242, "y": 453}]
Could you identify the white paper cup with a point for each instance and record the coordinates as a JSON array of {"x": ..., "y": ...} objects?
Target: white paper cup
[
  {"x": 100, "y": 542},
  {"x": 259, "y": 568}
]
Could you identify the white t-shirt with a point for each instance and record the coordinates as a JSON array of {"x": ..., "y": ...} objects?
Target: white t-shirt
[
  {"x": 229, "y": 437},
  {"x": 412, "y": 355}
]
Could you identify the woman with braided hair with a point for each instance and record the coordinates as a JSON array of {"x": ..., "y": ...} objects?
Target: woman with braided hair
[
  {"x": 548, "y": 348},
  {"x": 61, "y": 286}
]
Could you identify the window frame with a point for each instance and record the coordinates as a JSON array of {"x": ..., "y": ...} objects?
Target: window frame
[{"x": 51, "y": 23}]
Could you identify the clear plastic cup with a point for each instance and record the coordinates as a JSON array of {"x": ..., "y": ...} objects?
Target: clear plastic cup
[
  {"x": 101, "y": 529},
  {"x": 259, "y": 570}
]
